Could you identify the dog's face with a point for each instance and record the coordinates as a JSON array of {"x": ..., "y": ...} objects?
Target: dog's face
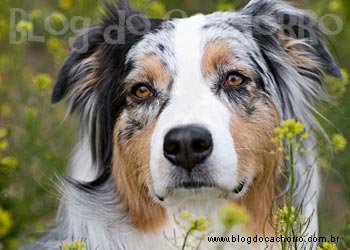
[
  {"x": 196, "y": 100},
  {"x": 186, "y": 108}
]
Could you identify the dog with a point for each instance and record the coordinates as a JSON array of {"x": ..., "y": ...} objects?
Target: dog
[{"x": 178, "y": 114}]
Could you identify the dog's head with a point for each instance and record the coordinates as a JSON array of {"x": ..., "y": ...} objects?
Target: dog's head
[{"x": 185, "y": 108}]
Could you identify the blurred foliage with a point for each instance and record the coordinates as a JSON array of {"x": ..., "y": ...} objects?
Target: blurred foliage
[
  {"x": 327, "y": 246},
  {"x": 232, "y": 215},
  {"x": 75, "y": 245},
  {"x": 35, "y": 144}
]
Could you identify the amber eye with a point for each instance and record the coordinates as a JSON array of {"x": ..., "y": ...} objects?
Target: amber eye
[
  {"x": 234, "y": 79},
  {"x": 141, "y": 91}
]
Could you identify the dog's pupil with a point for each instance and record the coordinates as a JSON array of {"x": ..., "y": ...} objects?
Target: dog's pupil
[
  {"x": 142, "y": 91},
  {"x": 234, "y": 79}
]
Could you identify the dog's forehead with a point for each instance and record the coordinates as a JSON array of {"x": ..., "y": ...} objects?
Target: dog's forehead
[{"x": 187, "y": 37}]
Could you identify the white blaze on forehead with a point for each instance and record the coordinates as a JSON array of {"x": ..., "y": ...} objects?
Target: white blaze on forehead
[
  {"x": 188, "y": 45},
  {"x": 193, "y": 102}
]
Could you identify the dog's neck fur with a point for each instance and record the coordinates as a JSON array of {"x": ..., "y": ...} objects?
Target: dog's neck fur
[
  {"x": 100, "y": 217},
  {"x": 95, "y": 217}
]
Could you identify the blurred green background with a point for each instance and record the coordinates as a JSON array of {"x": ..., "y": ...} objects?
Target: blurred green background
[{"x": 35, "y": 141}]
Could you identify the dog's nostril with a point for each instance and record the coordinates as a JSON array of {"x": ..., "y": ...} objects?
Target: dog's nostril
[
  {"x": 171, "y": 147},
  {"x": 187, "y": 146},
  {"x": 200, "y": 145}
]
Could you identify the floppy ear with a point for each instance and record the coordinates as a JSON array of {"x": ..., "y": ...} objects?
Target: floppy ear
[
  {"x": 291, "y": 59},
  {"x": 78, "y": 69},
  {"x": 80, "y": 63},
  {"x": 295, "y": 30},
  {"x": 92, "y": 73}
]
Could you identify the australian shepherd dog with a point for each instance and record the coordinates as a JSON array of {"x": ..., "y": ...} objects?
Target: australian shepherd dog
[{"x": 178, "y": 114}]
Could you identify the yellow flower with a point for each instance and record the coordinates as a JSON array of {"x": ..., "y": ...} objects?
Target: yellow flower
[
  {"x": 65, "y": 4},
  {"x": 53, "y": 44},
  {"x": 56, "y": 49},
  {"x": 335, "y": 5},
  {"x": 298, "y": 128},
  {"x": 35, "y": 14},
  {"x": 327, "y": 246},
  {"x": 5, "y": 222},
  {"x": 232, "y": 215},
  {"x": 156, "y": 9},
  {"x": 30, "y": 113},
  {"x": 199, "y": 224},
  {"x": 225, "y": 7},
  {"x": 292, "y": 127},
  {"x": 304, "y": 136},
  {"x": 338, "y": 142},
  {"x": 293, "y": 131},
  {"x": 3, "y": 145},
  {"x": 57, "y": 18},
  {"x": 286, "y": 216},
  {"x": 24, "y": 25},
  {"x": 43, "y": 82},
  {"x": 192, "y": 224},
  {"x": 9, "y": 162},
  {"x": 185, "y": 215},
  {"x": 325, "y": 164},
  {"x": 344, "y": 74},
  {"x": 75, "y": 245}
]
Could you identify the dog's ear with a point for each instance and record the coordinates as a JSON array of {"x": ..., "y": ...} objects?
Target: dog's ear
[
  {"x": 92, "y": 73},
  {"x": 80, "y": 62},
  {"x": 291, "y": 59},
  {"x": 295, "y": 30}
]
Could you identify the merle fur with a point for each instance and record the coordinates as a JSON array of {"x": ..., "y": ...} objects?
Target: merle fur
[
  {"x": 97, "y": 199},
  {"x": 109, "y": 93}
]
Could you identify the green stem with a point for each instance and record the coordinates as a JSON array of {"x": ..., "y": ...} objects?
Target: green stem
[
  {"x": 291, "y": 192},
  {"x": 292, "y": 180},
  {"x": 186, "y": 237}
]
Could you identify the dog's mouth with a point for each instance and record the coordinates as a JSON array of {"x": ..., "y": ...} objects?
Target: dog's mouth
[
  {"x": 194, "y": 185},
  {"x": 197, "y": 187}
]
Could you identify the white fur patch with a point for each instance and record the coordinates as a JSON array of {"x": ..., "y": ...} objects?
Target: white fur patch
[{"x": 193, "y": 102}]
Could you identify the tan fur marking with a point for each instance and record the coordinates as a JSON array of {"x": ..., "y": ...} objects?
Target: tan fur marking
[
  {"x": 216, "y": 53},
  {"x": 252, "y": 137},
  {"x": 154, "y": 69},
  {"x": 219, "y": 54},
  {"x": 133, "y": 180}
]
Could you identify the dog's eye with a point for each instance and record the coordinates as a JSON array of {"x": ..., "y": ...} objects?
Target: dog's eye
[
  {"x": 235, "y": 79},
  {"x": 141, "y": 91}
]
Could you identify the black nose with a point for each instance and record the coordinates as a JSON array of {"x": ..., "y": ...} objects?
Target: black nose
[{"x": 187, "y": 146}]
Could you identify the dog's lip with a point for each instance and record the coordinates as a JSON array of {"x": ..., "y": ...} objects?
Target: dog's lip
[
  {"x": 160, "y": 198},
  {"x": 194, "y": 185},
  {"x": 187, "y": 186},
  {"x": 198, "y": 186},
  {"x": 239, "y": 188}
]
